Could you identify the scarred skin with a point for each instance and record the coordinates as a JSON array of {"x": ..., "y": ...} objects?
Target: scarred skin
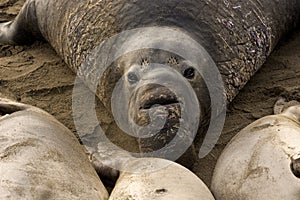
[{"x": 237, "y": 35}]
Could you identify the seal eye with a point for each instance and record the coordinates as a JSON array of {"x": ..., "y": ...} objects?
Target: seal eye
[
  {"x": 132, "y": 78},
  {"x": 189, "y": 73}
]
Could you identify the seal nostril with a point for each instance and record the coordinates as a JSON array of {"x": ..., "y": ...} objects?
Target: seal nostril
[
  {"x": 161, "y": 191},
  {"x": 173, "y": 60},
  {"x": 132, "y": 78},
  {"x": 145, "y": 61},
  {"x": 189, "y": 73}
]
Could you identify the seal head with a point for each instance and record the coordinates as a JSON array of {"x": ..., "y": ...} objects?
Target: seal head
[{"x": 159, "y": 86}]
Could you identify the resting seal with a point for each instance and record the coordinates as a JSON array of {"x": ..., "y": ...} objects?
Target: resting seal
[
  {"x": 41, "y": 159},
  {"x": 260, "y": 159},
  {"x": 238, "y": 36}
]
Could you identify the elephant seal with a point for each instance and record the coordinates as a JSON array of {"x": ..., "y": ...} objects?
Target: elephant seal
[
  {"x": 261, "y": 159},
  {"x": 163, "y": 179},
  {"x": 42, "y": 159},
  {"x": 238, "y": 36}
]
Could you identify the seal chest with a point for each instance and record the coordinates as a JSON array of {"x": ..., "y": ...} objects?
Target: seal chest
[{"x": 256, "y": 162}]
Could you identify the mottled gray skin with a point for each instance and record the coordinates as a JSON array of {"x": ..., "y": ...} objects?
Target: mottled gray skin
[{"x": 238, "y": 35}]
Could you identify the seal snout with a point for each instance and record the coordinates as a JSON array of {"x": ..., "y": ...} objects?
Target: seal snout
[{"x": 158, "y": 113}]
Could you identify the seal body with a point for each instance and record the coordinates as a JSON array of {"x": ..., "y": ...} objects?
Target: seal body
[
  {"x": 256, "y": 162},
  {"x": 42, "y": 159}
]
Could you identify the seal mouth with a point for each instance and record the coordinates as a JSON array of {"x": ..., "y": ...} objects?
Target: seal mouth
[
  {"x": 157, "y": 111},
  {"x": 157, "y": 97},
  {"x": 159, "y": 101}
]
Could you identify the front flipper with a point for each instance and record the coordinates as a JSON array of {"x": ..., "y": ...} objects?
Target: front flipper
[
  {"x": 6, "y": 33},
  {"x": 24, "y": 29}
]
